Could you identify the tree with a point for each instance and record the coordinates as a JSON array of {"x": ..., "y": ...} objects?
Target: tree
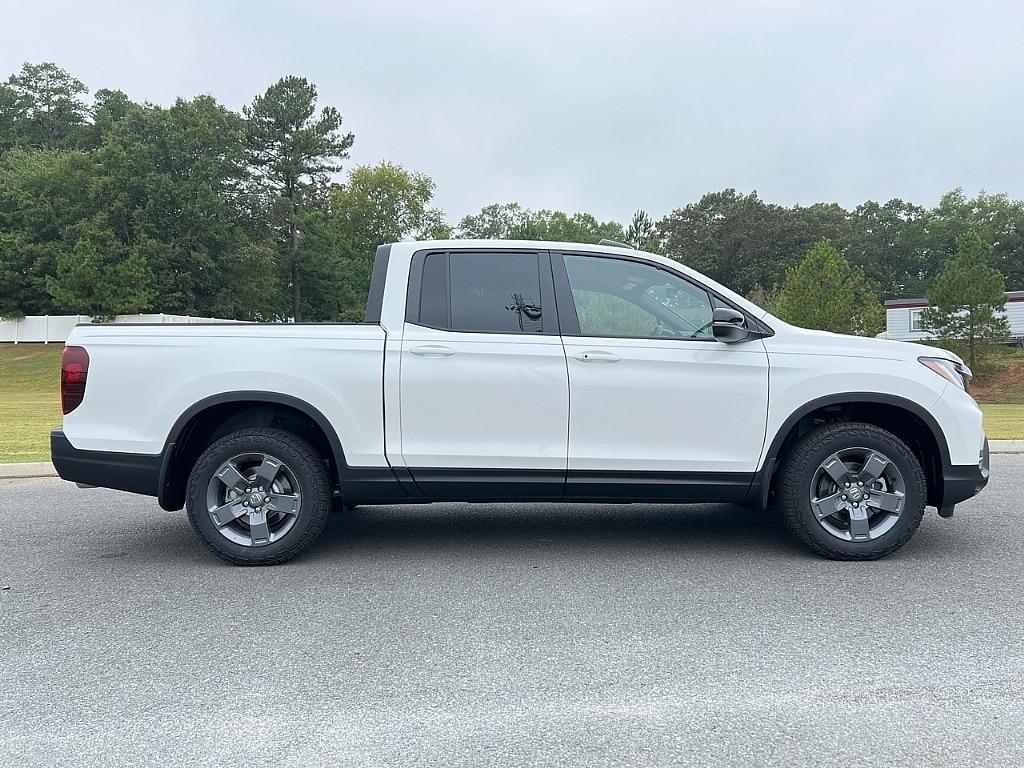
[
  {"x": 109, "y": 108},
  {"x": 377, "y": 204},
  {"x": 998, "y": 220},
  {"x": 966, "y": 296},
  {"x": 510, "y": 221},
  {"x": 47, "y": 105},
  {"x": 741, "y": 241},
  {"x": 886, "y": 239},
  {"x": 169, "y": 180},
  {"x": 385, "y": 203},
  {"x": 10, "y": 113},
  {"x": 765, "y": 299},
  {"x": 380, "y": 204},
  {"x": 99, "y": 276},
  {"x": 43, "y": 194},
  {"x": 826, "y": 293},
  {"x": 642, "y": 234},
  {"x": 292, "y": 152}
]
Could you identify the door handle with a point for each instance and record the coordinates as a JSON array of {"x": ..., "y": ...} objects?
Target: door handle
[
  {"x": 597, "y": 356},
  {"x": 433, "y": 350}
]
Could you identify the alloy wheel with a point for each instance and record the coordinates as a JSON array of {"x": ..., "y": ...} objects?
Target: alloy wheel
[
  {"x": 253, "y": 499},
  {"x": 857, "y": 494}
]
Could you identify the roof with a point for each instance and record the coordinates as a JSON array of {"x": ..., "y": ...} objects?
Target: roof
[
  {"x": 540, "y": 245},
  {"x": 910, "y": 303}
]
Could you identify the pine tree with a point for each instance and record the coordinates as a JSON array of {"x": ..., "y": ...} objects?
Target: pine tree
[
  {"x": 966, "y": 297},
  {"x": 292, "y": 152},
  {"x": 642, "y": 233},
  {"x": 826, "y": 293}
]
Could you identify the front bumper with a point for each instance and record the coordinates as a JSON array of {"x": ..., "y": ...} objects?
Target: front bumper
[
  {"x": 960, "y": 482},
  {"x": 134, "y": 472}
]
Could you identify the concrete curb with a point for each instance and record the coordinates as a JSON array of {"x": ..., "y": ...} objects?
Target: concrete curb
[
  {"x": 45, "y": 468},
  {"x": 1006, "y": 446},
  {"x": 35, "y": 469}
]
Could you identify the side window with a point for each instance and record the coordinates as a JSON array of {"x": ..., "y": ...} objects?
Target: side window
[
  {"x": 434, "y": 291},
  {"x": 616, "y": 297},
  {"x": 489, "y": 292}
]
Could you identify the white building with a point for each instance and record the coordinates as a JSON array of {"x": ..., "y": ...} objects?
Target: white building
[{"x": 903, "y": 318}]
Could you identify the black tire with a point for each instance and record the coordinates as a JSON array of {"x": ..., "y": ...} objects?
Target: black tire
[
  {"x": 797, "y": 473},
  {"x": 310, "y": 474}
]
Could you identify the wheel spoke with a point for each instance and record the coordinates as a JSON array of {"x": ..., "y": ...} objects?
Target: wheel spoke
[
  {"x": 227, "y": 513},
  {"x": 284, "y": 502},
  {"x": 887, "y": 502},
  {"x": 827, "y": 506},
  {"x": 873, "y": 467},
  {"x": 267, "y": 472},
  {"x": 859, "y": 528},
  {"x": 261, "y": 502},
  {"x": 835, "y": 469},
  {"x": 258, "y": 528},
  {"x": 232, "y": 478}
]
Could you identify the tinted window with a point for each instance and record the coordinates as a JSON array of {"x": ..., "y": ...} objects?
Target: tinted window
[
  {"x": 496, "y": 292},
  {"x": 434, "y": 291},
  {"x": 615, "y": 297}
]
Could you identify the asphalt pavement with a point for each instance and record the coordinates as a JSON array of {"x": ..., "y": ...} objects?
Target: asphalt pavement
[{"x": 466, "y": 635}]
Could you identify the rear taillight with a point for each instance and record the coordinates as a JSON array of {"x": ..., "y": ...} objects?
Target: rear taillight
[{"x": 74, "y": 370}]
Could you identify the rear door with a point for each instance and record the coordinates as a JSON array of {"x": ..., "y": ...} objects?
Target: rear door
[
  {"x": 484, "y": 386},
  {"x": 658, "y": 404}
]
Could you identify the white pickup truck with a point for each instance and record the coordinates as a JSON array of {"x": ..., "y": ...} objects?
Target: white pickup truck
[{"x": 521, "y": 371}]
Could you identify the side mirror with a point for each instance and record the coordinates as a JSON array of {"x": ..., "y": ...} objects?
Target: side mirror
[{"x": 729, "y": 326}]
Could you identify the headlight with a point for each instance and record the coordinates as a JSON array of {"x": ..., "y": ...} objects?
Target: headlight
[{"x": 952, "y": 371}]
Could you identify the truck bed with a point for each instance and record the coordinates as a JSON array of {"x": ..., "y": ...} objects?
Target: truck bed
[{"x": 336, "y": 368}]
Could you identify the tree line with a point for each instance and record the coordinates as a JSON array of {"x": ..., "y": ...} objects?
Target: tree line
[{"x": 110, "y": 206}]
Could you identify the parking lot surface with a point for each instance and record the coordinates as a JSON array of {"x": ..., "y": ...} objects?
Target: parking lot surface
[{"x": 456, "y": 634}]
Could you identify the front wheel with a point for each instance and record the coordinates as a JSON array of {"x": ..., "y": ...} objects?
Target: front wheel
[
  {"x": 259, "y": 496},
  {"x": 852, "y": 491}
]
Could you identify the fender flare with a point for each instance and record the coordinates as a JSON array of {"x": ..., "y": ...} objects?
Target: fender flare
[
  {"x": 167, "y": 495},
  {"x": 762, "y": 481}
]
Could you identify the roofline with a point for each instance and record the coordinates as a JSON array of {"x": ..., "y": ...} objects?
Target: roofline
[
  {"x": 543, "y": 245},
  {"x": 1011, "y": 296}
]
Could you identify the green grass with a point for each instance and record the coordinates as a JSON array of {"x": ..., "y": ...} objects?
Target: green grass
[
  {"x": 1003, "y": 421},
  {"x": 29, "y": 400}
]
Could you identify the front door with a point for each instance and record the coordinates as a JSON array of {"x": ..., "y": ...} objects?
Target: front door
[
  {"x": 484, "y": 386},
  {"x": 657, "y": 403}
]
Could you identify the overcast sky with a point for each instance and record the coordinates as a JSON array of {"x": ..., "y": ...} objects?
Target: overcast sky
[{"x": 598, "y": 106}]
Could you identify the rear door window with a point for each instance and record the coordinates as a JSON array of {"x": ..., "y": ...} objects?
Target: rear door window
[{"x": 489, "y": 292}]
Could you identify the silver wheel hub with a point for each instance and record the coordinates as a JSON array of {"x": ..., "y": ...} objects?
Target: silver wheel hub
[
  {"x": 857, "y": 494},
  {"x": 253, "y": 499}
]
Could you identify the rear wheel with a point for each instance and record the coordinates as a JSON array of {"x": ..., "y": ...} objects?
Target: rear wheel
[
  {"x": 259, "y": 496},
  {"x": 852, "y": 491}
]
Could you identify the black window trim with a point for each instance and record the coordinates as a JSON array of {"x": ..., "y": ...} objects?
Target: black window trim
[
  {"x": 548, "y": 299},
  {"x": 375, "y": 295},
  {"x": 569, "y": 320}
]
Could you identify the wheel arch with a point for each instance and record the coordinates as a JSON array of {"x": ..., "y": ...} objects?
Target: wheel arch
[
  {"x": 908, "y": 420},
  {"x": 219, "y": 414}
]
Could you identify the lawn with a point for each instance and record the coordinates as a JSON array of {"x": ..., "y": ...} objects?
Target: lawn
[
  {"x": 30, "y": 400},
  {"x": 1003, "y": 421},
  {"x": 1001, "y": 395}
]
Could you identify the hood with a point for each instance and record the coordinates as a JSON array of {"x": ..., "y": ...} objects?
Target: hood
[{"x": 826, "y": 342}]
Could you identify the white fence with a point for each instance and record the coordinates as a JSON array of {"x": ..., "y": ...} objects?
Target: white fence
[{"x": 56, "y": 328}]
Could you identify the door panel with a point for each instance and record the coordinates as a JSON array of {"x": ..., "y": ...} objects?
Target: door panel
[
  {"x": 484, "y": 389},
  {"x": 666, "y": 405},
  {"x": 650, "y": 389},
  {"x": 481, "y": 400}
]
